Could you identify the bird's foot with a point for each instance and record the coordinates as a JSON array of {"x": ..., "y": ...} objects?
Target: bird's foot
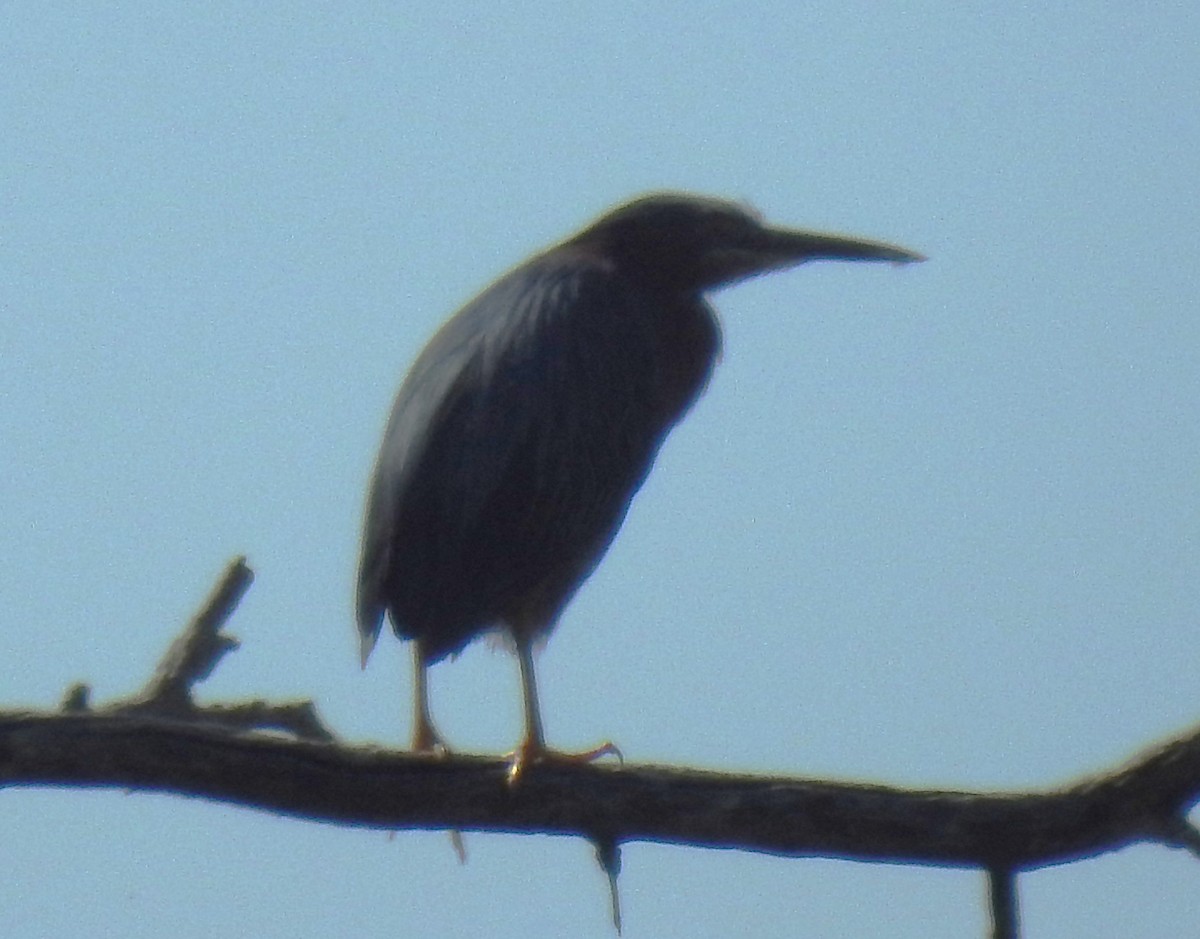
[
  {"x": 533, "y": 751},
  {"x": 427, "y": 740}
]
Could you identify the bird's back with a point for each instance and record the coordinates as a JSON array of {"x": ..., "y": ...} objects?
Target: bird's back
[{"x": 515, "y": 445}]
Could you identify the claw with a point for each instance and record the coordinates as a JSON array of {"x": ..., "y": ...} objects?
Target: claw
[{"x": 534, "y": 751}]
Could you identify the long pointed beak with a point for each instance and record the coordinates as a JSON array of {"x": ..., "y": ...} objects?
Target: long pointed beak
[
  {"x": 793, "y": 246},
  {"x": 772, "y": 249}
]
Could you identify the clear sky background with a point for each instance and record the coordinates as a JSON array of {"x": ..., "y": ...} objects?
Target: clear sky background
[{"x": 930, "y": 526}]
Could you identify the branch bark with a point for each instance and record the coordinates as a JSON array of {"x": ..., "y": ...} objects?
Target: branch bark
[
  {"x": 369, "y": 787},
  {"x": 280, "y": 758}
]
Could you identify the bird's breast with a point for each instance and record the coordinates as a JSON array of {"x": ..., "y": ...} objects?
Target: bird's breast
[{"x": 688, "y": 342}]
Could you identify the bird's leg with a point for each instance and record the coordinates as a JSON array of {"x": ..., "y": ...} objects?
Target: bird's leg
[
  {"x": 533, "y": 744},
  {"x": 426, "y": 739},
  {"x": 533, "y": 747}
]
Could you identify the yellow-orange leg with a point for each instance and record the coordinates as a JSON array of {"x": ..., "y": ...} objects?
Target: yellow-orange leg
[
  {"x": 532, "y": 748},
  {"x": 426, "y": 739}
]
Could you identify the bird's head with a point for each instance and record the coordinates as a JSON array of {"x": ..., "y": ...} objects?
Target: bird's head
[{"x": 684, "y": 243}]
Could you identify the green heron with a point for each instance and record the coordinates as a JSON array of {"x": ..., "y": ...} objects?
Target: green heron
[{"x": 533, "y": 416}]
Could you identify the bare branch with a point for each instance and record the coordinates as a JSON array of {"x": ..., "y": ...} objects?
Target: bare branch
[
  {"x": 161, "y": 740},
  {"x": 365, "y": 786}
]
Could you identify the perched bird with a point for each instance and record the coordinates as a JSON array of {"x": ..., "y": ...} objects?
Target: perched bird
[{"x": 531, "y": 418}]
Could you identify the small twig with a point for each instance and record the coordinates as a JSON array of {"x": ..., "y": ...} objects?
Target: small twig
[
  {"x": 77, "y": 698},
  {"x": 1002, "y": 897},
  {"x": 196, "y": 652},
  {"x": 608, "y": 854},
  {"x": 190, "y": 659},
  {"x": 459, "y": 845},
  {"x": 1178, "y": 832}
]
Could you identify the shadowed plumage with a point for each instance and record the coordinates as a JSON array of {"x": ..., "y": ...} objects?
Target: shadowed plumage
[{"x": 531, "y": 418}]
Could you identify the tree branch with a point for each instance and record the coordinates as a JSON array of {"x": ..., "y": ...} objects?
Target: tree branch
[
  {"x": 370, "y": 787},
  {"x": 160, "y": 740}
]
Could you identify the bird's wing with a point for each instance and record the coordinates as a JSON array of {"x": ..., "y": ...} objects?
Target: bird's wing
[{"x": 522, "y": 368}]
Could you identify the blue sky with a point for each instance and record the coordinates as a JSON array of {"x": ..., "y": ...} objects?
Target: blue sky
[{"x": 929, "y": 526}]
